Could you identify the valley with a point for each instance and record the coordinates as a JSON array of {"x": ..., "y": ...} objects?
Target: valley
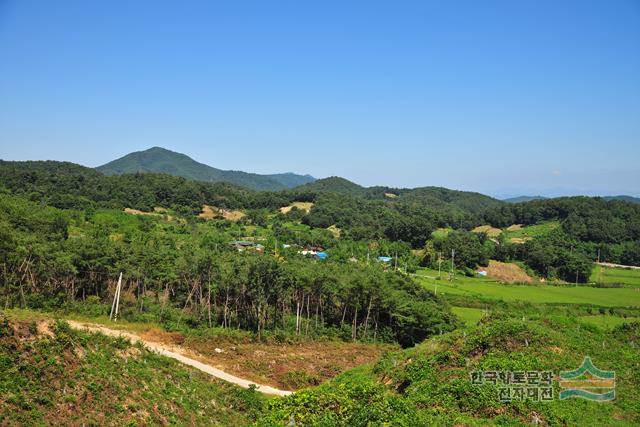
[{"x": 355, "y": 301}]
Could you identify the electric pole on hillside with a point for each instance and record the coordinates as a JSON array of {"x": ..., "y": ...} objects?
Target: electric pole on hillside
[
  {"x": 599, "y": 268},
  {"x": 453, "y": 256},
  {"x": 116, "y": 300},
  {"x": 439, "y": 264}
]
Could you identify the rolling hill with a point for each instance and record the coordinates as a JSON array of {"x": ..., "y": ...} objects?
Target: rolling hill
[
  {"x": 426, "y": 196},
  {"x": 523, "y": 199},
  {"x": 629, "y": 199},
  {"x": 161, "y": 160}
]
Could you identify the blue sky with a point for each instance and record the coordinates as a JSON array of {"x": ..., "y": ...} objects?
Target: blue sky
[{"x": 501, "y": 97}]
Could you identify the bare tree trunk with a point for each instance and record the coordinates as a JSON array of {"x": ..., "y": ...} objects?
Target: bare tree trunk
[
  {"x": 297, "y": 316},
  {"x": 375, "y": 330},
  {"x": 209, "y": 304},
  {"x": 366, "y": 320},
  {"x": 306, "y": 329},
  {"x": 354, "y": 327},
  {"x": 317, "y": 311}
]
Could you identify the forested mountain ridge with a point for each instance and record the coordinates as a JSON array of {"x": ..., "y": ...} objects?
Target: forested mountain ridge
[
  {"x": 357, "y": 213},
  {"x": 161, "y": 160},
  {"x": 522, "y": 199},
  {"x": 465, "y": 200}
]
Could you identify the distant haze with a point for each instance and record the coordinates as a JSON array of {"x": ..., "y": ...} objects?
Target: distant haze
[{"x": 503, "y": 98}]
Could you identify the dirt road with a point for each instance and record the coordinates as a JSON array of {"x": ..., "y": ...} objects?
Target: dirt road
[{"x": 173, "y": 353}]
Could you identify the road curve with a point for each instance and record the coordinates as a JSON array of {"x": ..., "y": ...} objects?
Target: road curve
[{"x": 164, "y": 351}]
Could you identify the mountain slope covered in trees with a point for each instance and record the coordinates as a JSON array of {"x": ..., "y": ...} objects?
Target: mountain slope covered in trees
[
  {"x": 160, "y": 160},
  {"x": 588, "y": 226}
]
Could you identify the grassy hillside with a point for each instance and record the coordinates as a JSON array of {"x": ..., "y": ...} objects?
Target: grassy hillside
[
  {"x": 53, "y": 375},
  {"x": 160, "y": 160},
  {"x": 430, "y": 384}
]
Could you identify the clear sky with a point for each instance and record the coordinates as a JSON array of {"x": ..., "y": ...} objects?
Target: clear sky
[{"x": 501, "y": 97}]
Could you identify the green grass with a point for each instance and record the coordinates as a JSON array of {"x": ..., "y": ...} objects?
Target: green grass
[
  {"x": 470, "y": 316},
  {"x": 484, "y": 288},
  {"x": 608, "y": 322},
  {"x": 441, "y": 233},
  {"x": 625, "y": 276},
  {"x": 534, "y": 231}
]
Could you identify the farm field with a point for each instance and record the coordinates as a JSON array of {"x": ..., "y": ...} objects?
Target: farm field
[
  {"x": 470, "y": 316},
  {"x": 615, "y": 275},
  {"x": 608, "y": 322},
  {"x": 489, "y": 289},
  {"x": 531, "y": 231}
]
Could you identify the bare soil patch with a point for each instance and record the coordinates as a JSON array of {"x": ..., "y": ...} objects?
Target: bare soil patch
[
  {"x": 520, "y": 240},
  {"x": 488, "y": 230},
  {"x": 290, "y": 366},
  {"x": 212, "y": 212},
  {"x": 137, "y": 212},
  {"x": 303, "y": 206},
  {"x": 507, "y": 272},
  {"x": 334, "y": 230},
  {"x": 281, "y": 366}
]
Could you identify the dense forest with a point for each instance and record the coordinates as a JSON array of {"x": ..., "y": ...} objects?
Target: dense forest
[
  {"x": 186, "y": 271},
  {"x": 589, "y": 227}
]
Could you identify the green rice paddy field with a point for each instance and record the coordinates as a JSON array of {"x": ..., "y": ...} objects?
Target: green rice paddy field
[
  {"x": 615, "y": 275},
  {"x": 470, "y": 316},
  {"x": 608, "y": 322},
  {"x": 486, "y": 288}
]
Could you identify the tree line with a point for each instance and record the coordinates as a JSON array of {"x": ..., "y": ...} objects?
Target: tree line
[{"x": 187, "y": 273}]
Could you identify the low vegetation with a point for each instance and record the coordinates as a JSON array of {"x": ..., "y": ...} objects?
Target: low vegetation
[
  {"x": 431, "y": 383},
  {"x": 53, "y": 375}
]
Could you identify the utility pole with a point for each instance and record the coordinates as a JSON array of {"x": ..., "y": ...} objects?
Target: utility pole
[
  {"x": 116, "y": 301},
  {"x": 439, "y": 264},
  {"x": 453, "y": 256},
  {"x": 599, "y": 268}
]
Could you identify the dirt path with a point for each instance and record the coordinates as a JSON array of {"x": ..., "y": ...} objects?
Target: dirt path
[
  {"x": 165, "y": 350},
  {"x": 609, "y": 264}
]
